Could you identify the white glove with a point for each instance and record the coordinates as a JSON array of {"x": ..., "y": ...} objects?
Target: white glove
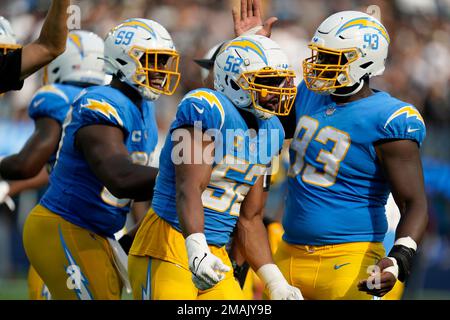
[
  {"x": 4, "y": 197},
  {"x": 207, "y": 269},
  {"x": 4, "y": 191},
  {"x": 279, "y": 288}
]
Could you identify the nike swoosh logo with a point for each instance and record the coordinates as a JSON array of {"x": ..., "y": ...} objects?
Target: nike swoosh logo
[
  {"x": 412, "y": 130},
  {"x": 338, "y": 266},
  {"x": 193, "y": 263},
  {"x": 37, "y": 103},
  {"x": 199, "y": 110}
]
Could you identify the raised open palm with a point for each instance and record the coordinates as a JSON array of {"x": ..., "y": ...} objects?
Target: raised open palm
[{"x": 249, "y": 18}]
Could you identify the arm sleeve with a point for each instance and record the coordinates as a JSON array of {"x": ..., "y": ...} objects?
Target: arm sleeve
[{"x": 10, "y": 70}]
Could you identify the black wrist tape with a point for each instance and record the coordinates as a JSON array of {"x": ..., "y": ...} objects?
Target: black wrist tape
[{"x": 404, "y": 256}]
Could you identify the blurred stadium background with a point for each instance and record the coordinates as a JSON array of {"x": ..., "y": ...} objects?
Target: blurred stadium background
[{"x": 417, "y": 71}]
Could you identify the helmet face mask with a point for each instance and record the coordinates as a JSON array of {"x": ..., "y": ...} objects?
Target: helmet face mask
[
  {"x": 253, "y": 72},
  {"x": 157, "y": 70},
  {"x": 327, "y": 69},
  {"x": 271, "y": 91}
]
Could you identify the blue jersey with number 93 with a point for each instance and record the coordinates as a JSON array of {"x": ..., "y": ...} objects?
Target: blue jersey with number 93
[{"x": 337, "y": 190}]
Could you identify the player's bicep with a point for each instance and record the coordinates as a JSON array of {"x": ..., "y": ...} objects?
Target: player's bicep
[
  {"x": 402, "y": 165},
  {"x": 45, "y": 137},
  {"x": 193, "y": 158}
]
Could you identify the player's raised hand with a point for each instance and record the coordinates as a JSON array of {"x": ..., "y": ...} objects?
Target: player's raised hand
[
  {"x": 380, "y": 283},
  {"x": 249, "y": 19},
  {"x": 207, "y": 269}
]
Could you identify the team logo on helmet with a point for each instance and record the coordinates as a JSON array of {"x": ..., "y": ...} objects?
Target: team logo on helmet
[
  {"x": 247, "y": 44},
  {"x": 365, "y": 23}
]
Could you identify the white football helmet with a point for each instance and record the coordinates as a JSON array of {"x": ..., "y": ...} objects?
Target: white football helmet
[
  {"x": 250, "y": 67},
  {"x": 141, "y": 53},
  {"x": 347, "y": 47},
  {"x": 8, "y": 40},
  {"x": 82, "y": 62}
]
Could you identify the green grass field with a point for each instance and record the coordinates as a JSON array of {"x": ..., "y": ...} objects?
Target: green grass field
[{"x": 17, "y": 290}]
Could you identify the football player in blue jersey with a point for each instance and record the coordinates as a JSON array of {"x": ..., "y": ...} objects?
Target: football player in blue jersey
[
  {"x": 351, "y": 146},
  {"x": 80, "y": 66},
  {"x": 204, "y": 188},
  {"x": 101, "y": 164}
]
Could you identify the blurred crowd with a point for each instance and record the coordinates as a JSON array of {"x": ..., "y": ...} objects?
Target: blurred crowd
[{"x": 417, "y": 69}]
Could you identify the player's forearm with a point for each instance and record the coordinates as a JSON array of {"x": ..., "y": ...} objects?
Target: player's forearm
[
  {"x": 253, "y": 242},
  {"x": 131, "y": 181},
  {"x": 54, "y": 31},
  {"x": 19, "y": 167},
  {"x": 190, "y": 209},
  {"x": 414, "y": 219},
  {"x": 38, "y": 181},
  {"x": 51, "y": 42}
]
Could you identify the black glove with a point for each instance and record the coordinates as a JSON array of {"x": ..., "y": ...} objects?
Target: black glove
[
  {"x": 125, "y": 242},
  {"x": 240, "y": 272}
]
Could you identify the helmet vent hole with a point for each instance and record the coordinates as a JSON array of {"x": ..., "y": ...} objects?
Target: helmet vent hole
[
  {"x": 234, "y": 85},
  {"x": 122, "y": 62},
  {"x": 55, "y": 71},
  {"x": 366, "y": 65},
  {"x": 341, "y": 37}
]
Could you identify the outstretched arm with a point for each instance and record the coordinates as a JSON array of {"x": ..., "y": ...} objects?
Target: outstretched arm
[
  {"x": 51, "y": 42},
  {"x": 401, "y": 162},
  {"x": 249, "y": 19},
  {"x": 40, "y": 180}
]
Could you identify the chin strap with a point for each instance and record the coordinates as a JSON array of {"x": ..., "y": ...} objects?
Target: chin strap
[{"x": 357, "y": 88}]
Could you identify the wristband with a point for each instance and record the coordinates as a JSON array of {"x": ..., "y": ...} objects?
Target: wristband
[
  {"x": 407, "y": 242},
  {"x": 252, "y": 31},
  {"x": 269, "y": 273}
]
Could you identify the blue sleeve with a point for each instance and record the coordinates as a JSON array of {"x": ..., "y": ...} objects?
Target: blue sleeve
[
  {"x": 94, "y": 109},
  {"x": 200, "y": 108},
  {"x": 50, "y": 105},
  {"x": 404, "y": 123}
]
